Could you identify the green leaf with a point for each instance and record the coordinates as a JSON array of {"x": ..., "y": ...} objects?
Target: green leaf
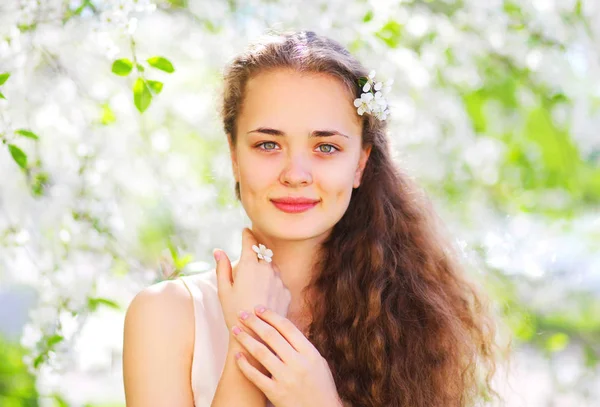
[
  {"x": 140, "y": 68},
  {"x": 391, "y": 34},
  {"x": 161, "y": 63},
  {"x": 4, "y": 77},
  {"x": 557, "y": 342},
  {"x": 122, "y": 67},
  {"x": 40, "y": 180},
  {"x": 18, "y": 155},
  {"x": 368, "y": 16},
  {"x": 93, "y": 303},
  {"x": 2, "y": 96},
  {"x": 579, "y": 8},
  {"x": 54, "y": 339},
  {"x": 60, "y": 400},
  {"x": 156, "y": 86},
  {"x": 512, "y": 9},
  {"x": 362, "y": 81},
  {"x": 39, "y": 360},
  {"x": 181, "y": 262},
  {"x": 141, "y": 95},
  {"x": 211, "y": 27},
  {"x": 108, "y": 116},
  {"x": 27, "y": 133}
]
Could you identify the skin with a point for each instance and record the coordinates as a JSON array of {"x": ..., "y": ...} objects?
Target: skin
[{"x": 158, "y": 349}]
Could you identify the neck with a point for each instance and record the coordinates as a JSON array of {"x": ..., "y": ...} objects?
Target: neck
[{"x": 295, "y": 260}]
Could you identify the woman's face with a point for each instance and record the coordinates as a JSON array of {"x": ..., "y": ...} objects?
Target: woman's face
[{"x": 298, "y": 136}]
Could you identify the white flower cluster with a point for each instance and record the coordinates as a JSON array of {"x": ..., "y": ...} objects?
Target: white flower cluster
[
  {"x": 119, "y": 13},
  {"x": 372, "y": 100}
]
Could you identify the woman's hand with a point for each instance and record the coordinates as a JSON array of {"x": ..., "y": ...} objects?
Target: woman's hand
[
  {"x": 250, "y": 281},
  {"x": 300, "y": 376}
]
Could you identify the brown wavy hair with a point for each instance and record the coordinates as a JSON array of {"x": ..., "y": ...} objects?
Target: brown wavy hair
[{"x": 391, "y": 311}]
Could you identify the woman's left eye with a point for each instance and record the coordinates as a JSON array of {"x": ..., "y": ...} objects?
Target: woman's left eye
[{"x": 330, "y": 150}]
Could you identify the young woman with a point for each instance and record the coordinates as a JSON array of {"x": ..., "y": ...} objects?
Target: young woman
[{"x": 363, "y": 302}]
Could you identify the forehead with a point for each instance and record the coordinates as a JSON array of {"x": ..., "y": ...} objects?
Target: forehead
[{"x": 299, "y": 101}]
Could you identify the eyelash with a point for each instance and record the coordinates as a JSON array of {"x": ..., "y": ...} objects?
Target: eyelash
[{"x": 272, "y": 142}]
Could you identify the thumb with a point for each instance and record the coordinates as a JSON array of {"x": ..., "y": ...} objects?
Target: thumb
[{"x": 223, "y": 270}]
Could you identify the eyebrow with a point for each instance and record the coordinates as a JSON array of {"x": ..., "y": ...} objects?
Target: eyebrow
[{"x": 316, "y": 133}]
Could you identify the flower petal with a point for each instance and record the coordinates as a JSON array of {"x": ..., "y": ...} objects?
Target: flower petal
[
  {"x": 268, "y": 252},
  {"x": 361, "y": 110},
  {"x": 268, "y": 259},
  {"x": 372, "y": 74},
  {"x": 367, "y": 87},
  {"x": 260, "y": 256},
  {"x": 262, "y": 247},
  {"x": 357, "y": 102},
  {"x": 378, "y": 86},
  {"x": 255, "y": 248}
]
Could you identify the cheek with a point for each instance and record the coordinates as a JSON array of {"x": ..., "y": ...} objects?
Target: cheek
[
  {"x": 338, "y": 182},
  {"x": 256, "y": 173}
]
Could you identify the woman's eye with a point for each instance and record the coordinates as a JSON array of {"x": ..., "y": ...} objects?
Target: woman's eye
[
  {"x": 329, "y": 150},
  {"x": 266, "y": 143}
]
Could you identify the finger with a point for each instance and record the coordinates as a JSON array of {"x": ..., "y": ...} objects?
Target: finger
[
  {"x": 260, "y": 352},
  {"x": 248, "y": 240},
  {"x": 223, "y": 270},
  {"x": 287, "y": 329},
  {"x": 271, "y": 337},
  {"x": 264, "y": 383}
]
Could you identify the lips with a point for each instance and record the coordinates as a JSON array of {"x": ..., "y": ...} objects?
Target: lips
[
  {"x": 298, "y": 200},
  {"x": 294, "y": 204}
]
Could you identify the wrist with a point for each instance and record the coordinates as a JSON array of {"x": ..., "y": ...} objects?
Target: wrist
[{"x": 235, "y": 347}]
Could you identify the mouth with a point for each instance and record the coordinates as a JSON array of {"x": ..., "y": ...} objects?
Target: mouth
[{"x": 294, "y": 205}]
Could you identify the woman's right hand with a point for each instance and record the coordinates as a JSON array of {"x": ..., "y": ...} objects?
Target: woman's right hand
[{"x": 248, "y": 283}]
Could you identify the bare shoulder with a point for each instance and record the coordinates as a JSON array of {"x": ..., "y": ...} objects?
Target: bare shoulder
[
  {"x": 164, "y": 307},
  {"x": 160, "y": 300},
  {"x": 158, "y": 346}
]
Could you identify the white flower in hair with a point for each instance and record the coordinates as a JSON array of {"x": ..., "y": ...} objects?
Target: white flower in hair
[
  {"x": 372, "y": 99},
  {"x": 263, "y": 252}
]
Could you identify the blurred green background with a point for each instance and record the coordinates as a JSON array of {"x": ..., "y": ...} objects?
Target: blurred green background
[{"x": 114, "y": 171}]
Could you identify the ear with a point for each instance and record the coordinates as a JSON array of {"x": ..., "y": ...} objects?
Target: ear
[
  {"x": 364, "y": 156},
  {"x": 233, "y": 154}
]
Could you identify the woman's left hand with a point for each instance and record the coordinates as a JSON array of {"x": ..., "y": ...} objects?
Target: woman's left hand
[{"x": 300, "y": 376}]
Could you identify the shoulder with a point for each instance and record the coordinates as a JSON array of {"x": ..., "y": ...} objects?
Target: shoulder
[
  {"x": 161, "y": 298},
  {"x": 163, "y": 308},
  {"x": 206, "y": 281}
]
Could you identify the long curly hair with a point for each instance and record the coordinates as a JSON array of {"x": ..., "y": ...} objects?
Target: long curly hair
[{"x": 391, "y": 311}]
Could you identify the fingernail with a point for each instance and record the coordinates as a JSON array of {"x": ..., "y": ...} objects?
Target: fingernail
[
  {"x": 243, "y": 315},
  {"x": 217, "y": 255},
  {"x": 260, "y": 309},
  {"x": 236, "y": 330}
]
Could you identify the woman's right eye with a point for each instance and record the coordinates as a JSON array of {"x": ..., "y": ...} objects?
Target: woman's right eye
[{"x": 266, "y": 143}]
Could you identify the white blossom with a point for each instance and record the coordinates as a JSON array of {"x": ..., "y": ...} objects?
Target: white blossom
[
  {"x": 263, "y": 252},
  {"x": 374, "y": 103}
]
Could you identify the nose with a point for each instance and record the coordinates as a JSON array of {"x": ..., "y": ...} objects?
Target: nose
[{"x": 297, "y": 171}]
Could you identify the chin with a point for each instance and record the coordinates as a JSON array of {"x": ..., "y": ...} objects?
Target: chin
[{"x": 294, "y": 230}]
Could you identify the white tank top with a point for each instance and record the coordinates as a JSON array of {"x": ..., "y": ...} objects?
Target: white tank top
[{"x": 211, "y": 337}]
